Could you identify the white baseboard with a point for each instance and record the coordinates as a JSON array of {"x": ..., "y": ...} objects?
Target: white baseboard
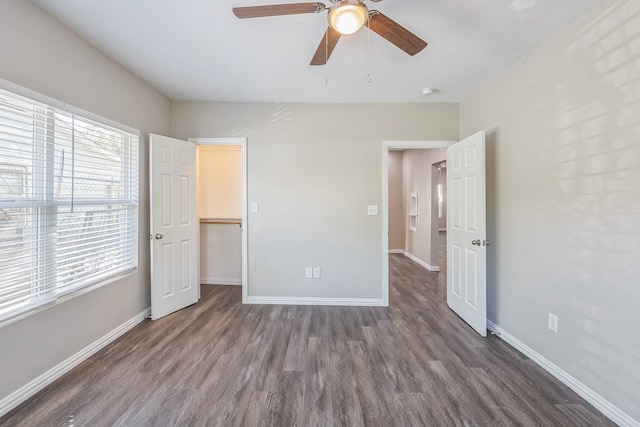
[
  {"x": 396, "y": 251},
  {"x": 221, "y": 281},
  {"x": 614, "y": 413},
  {"x": 421, "y": 262},
  {"x": 34, "y": 386},
  {"x": 366, "y": 302}
]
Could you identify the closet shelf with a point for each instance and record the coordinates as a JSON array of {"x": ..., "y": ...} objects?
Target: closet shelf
[{"x": 221, "y": 221}]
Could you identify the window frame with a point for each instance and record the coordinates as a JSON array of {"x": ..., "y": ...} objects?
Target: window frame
[{"x": 44, "y": 199}]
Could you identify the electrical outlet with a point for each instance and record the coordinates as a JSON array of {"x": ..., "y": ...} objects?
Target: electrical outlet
[
  {"x": 316, "y": 272},
  {"x": 308, "y": 273},
  {"x": 553, "y": 322}
]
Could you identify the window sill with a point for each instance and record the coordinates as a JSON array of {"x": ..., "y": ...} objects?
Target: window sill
[{"x": 64, "y": 298}]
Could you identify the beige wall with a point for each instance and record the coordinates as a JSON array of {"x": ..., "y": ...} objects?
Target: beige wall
[
  {"x": 220, "y": 254},
  {"x": 313, "y": 169},
  {"x": 219, "y": 181},
  {"x": 563, "y": 194},
  {"x": 41, "y": 54},
  {"x": 418, "y": 177},
  {"x": 397, "y": 216}
]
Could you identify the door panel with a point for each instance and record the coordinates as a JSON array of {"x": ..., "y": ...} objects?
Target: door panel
[
  {"x": 174, "y": 225},
  {"x": 471, "y": 282},
  {"x": 185, "y": 215},
  {"x": 470, "y": 197},
  {"x": 166, "y": 201},
  {"x": 187, "y": 275},
  {"x": 466, "y": 232},
  {"x": 454, "y": 269},
  {"x": 167, "y": 266}
]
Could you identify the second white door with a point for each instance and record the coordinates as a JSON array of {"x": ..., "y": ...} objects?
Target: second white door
[
  {"x": 174, "y": 225},
  {"x": 466, "y": 231}
]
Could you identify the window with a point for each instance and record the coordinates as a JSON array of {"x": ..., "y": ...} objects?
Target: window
[{"x": 68, "y": 203}]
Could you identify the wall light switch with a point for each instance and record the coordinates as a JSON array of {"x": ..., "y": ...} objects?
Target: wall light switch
[
  {"x": 372, "y": 210},
  {"x": 308, "y": 273},
  {"x": 254, "y": 207},
  {"x": 316, "y": 272},
  {"x": 553, "y": 322}
]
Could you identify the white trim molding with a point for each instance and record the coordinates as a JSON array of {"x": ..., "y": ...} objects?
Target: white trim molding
[
  {"x": 353, "y": 302},
  {"x": 614, "y": 413},
  {"x": 415, "y": 259},
  {"x": 235, "y": 281},
  {"x": 421, "y": 262},
  {"x": 34, "y": 386}
]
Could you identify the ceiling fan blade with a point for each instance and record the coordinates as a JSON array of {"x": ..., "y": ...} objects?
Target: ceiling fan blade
[
  {"x": 326, "y": 46},
  {"x": 277, "y": 9},
  {"x": 395, "y": 33}
]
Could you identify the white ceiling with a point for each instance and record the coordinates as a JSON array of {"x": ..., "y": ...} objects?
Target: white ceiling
[{"x": 198, "y": 50}]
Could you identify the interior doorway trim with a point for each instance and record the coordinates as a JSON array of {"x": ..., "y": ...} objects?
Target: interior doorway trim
[
  {"x": 386, "y": 147},
  {"x": 242, "y": 142}
]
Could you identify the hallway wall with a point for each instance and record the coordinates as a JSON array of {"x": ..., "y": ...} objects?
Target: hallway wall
[
  {"x": 397, "y": 217},
  {"x": 418, "y": 177}
]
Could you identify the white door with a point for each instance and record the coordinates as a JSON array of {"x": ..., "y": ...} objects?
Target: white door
[
  {"x": 466, "y": 232},
  {"x": 174, "y": 225}
]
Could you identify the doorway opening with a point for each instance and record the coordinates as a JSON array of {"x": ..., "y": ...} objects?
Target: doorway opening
[
  {"x": 439, "y": 185},
  {"x": 222, "y": 210},
  {"x": 411, "y": 212}
]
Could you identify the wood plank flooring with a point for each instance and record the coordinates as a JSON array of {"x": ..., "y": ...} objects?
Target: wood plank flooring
[{"x": 221, "y": 363}]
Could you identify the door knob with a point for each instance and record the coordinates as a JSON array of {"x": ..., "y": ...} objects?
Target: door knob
[
  {"x": 485, "y": 243},
  {"x": 476, "y": 242},
  {"x": 159, "y": 236}
]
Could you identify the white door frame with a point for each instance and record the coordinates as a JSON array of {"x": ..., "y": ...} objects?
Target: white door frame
[
  {"x": 242, "y": 142},
  {"x": 386, "y": 146}
]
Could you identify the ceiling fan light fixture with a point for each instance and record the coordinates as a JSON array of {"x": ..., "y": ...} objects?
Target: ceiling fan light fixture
[{"x": 348, "y": 16}]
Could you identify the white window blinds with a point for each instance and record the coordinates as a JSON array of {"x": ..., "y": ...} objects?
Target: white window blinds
[{"x": 68, "y": 203}]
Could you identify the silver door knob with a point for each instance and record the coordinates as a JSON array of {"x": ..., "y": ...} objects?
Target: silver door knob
[
  {"x": 476, "y": 242},
  {"x": 159, "y": 236},
  {"x": 485, "y": 243}
]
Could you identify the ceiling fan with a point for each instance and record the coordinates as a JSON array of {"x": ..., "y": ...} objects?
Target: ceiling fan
[{"x": 345, "y": 17}]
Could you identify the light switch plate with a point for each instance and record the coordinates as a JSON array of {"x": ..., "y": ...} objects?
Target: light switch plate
[
  {"x": 254, "y": 207},
  {"x": 553, "y": 322},
  {"x": 372, "y": 210}
]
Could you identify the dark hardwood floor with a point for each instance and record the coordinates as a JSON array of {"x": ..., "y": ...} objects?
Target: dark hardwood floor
[{"x": 226, "y": 364}]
